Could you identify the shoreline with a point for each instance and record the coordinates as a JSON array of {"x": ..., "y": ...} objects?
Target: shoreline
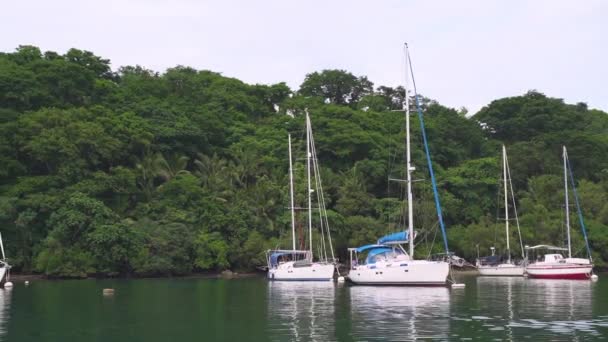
[{"x": 22, "y": 277}]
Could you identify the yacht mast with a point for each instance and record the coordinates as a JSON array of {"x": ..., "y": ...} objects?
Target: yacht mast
[
  {"x": 565, "y": 157},
  {"x": 504, "y": 171},
  {"x": 2, "y": 248},
  {"x": 293, "y": 214},
  {"x": 410, "y": 208},
  {"x": 308, "y": 156}
]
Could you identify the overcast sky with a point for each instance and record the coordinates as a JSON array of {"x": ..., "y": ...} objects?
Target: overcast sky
[{"x": 465, "y": 53}]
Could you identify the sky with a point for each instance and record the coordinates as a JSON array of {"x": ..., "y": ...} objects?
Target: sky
[{"x": 464, "y": 53}]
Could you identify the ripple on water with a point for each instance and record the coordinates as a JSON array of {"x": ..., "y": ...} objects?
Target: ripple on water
[
  {"x": 547, "y": 307},
  {"x": 491, "y": 309},
  {"x": 398, "y": 313},
  {"x": 5, "y": 302},
  {"x": 301, "y": 311}
]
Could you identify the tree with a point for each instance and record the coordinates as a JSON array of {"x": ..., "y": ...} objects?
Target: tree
[
  {"x": 65, "y": 251},
  {"x": 211, "y": 252},
  {"x": 338, "y": 86},
  {"x": 133, "y": 171}
]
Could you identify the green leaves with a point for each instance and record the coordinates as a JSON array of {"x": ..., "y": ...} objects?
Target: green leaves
[
  {"x": 211, "y": 251},
  {"x": 114, "y": 246},
  {"x": 141, "y": 172},
  {"x": 66, "y": 250},
  {"x": 338, "y": 86}
]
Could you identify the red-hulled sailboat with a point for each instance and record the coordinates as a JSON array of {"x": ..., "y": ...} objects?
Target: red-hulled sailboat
[{"x": 553, "y": 265}]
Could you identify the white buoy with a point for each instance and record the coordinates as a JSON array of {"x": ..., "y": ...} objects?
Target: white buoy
[
  {"x": 8, "y": 285},
  {"x": 27, "y": 282},
  {"x": 341, "y": 279},
  {"x": 594, "y": 277},
  {"x": 108, "y": 292},
  {"x": 458, "y": 286}
]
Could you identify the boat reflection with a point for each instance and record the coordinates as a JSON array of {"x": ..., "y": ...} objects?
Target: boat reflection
[
  {"x": 5, "y": 303},
  {"x": 561, "y": 299},
  {"x": 400, "y": 313},
  {"x": 521, "y": 307},
  {"x": 301, "y": 311}
]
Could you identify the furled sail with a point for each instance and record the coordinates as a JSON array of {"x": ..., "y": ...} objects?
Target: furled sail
[{"x": 400, "y": 237}]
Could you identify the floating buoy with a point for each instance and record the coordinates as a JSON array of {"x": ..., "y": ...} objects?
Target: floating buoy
[
  {"x": 27, "y": 282},
  {"x": 458, "y": 286},
  {"x": 594, "y": 277},
  {"x": 108, "y": 292},
  {"x": 8, "y": 285},
  {"x": 341, "y": 279}
]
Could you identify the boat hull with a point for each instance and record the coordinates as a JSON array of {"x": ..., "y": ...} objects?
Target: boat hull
[
  {"x": 407, "y": 273},
  {"x": 3, "y": 272},
  {"x": 581, "y": 272},
  {"x": 504, "y": 270},
  {"x": 314, "y": 272}
]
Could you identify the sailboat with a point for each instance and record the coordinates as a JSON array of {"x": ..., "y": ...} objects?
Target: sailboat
[
  {"x": 387, "y": 262},
  {"x": 4, "y": 267},
  {"x": 553, "y": 265},
  {"x": 491, "y": 265},
  {"x": 300, "y": 265}
]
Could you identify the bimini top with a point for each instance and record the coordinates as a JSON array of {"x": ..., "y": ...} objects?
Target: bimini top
[
  {"x": 395, "y": 238},
  {"x": 490, "y": 260},
  {"x": 552, "y": 248},
  {"x": 378, "y": 250},
  {"x": 275, "y": 255}
]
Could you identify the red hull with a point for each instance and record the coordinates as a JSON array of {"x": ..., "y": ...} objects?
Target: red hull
[{"x": 576, "y": 276}]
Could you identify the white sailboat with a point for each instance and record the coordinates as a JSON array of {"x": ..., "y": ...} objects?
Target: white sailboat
[
  {"x": 4, "y": 267},
  {"x": 300, "y": 265},
  {"x": 554, "y": 265},
  {"x": 387, "y": 262},
  {"x": 492, "y": 265}
]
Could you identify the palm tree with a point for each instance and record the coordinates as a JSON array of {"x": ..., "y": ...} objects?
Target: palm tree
[
  {"x": 171, "y": 166},
  {"x": 154, "y": 167},
  {"x": 218, "y": 175}
]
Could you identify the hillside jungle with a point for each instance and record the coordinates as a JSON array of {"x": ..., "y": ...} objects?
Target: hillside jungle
[{"x": 127, "y": 171}]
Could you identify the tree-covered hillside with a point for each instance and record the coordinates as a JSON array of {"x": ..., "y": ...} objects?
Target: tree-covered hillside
[{"x": 130, "y": 171}]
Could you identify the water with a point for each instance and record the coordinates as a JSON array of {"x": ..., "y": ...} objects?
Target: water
[{"x": 253, "y": 309}]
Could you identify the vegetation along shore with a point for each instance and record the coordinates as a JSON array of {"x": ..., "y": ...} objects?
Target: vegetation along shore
[{"x": 131, "y": 172}]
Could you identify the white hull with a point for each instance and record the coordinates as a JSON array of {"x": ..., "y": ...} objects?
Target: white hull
[
  {"x": 314, "y": 272},
  {"x": 2, "y": 275},
  {"x": 501, "y": 270},
  {"x": 416, "y": 272}
]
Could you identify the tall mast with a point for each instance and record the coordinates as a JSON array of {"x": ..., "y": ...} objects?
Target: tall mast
[
  {"x": 293, "y": 213},
  {"x": 504, "y": 171},
  {"x": 410, "y": 208},
  {"x": 308, "y": 156},
  {"x": 2, "y": 247},
  {"x": 565, "y": 156}
]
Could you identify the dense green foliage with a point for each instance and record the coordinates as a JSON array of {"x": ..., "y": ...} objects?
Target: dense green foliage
[{"x": 135, "y": 172}]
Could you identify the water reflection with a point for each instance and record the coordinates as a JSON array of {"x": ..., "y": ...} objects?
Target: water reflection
[
  {"x": 563, "y": 307},
  {"x": 524, "y": 307},
  {"x": 301, "y": 312},
  {"x": 5, "y": 302},
  {"x": 400, "y": 313}
]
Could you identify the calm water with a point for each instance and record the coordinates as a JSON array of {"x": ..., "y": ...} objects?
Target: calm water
[{"x": 256, "y": 310}]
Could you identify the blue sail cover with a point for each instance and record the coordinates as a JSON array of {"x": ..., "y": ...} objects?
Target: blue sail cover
[
  {"x": 368, "y": 247},
  {"x": 400, "y": 237}
]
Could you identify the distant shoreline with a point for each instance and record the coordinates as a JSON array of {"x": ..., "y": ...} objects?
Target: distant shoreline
[{"x": 21, "y": 277}]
